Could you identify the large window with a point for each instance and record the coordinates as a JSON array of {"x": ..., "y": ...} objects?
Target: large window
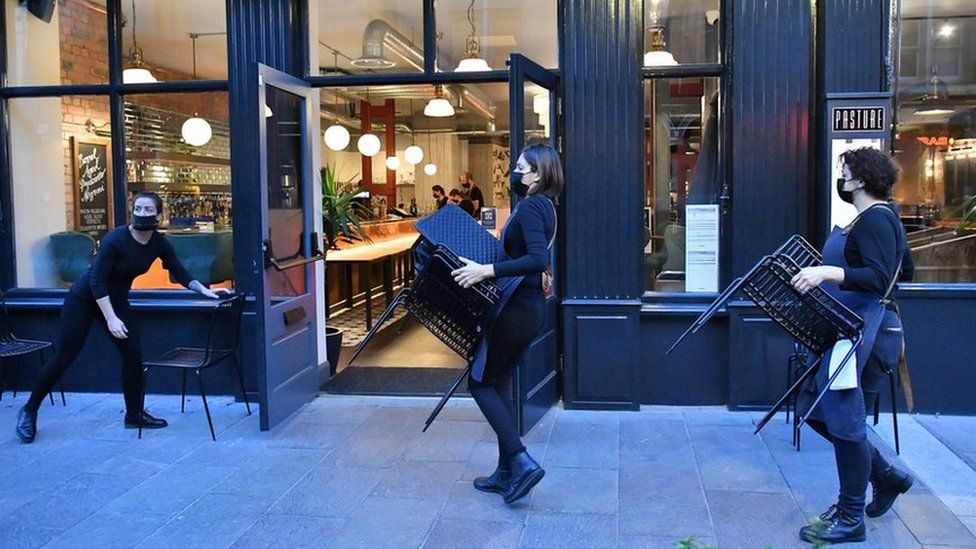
[
  {"x": 69, "y": 183},
  {"x": 480, "y": 34},
  {"x": 683, "y": 170},
  {"x": 935, "y": 137}
]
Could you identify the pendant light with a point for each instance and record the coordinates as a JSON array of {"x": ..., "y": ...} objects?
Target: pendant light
[
  {"x": 935, "y": 101},
  {"x": 336, "y": 136},
  {"x": 137, "y": 72},
  {"x": 368, "y": 143},
  {"x": 393, "y": 162},
  {"x": 472, "y": 62},
  {"x": 658, "y": 55},
  {"x": 429, "y": 168},
  {"x": 413, "y": 154},
  {"x": 438, "y": 107},
  {"x": 196, "y": 131}
]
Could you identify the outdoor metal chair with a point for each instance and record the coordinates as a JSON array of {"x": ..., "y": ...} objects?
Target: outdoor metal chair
[
  {"x": 13, "y": 347},
  {"x": 223, "y": 337}
]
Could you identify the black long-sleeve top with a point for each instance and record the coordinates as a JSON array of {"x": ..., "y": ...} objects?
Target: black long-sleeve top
[
  {"x": 121, "y": 258},
  {"x": 526, "y": 241},
  {"x": 874, "y": 247}
]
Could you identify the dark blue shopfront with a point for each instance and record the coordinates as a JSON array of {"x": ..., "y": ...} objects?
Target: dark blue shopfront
[{"x": 735, "y": 119}]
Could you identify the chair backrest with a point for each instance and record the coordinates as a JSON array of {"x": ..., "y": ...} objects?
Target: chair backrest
[
  {"x": 225, "y": 327},
  {"x": 207, "y": 256},
  {"x": 674, "y": 243},
  {"x": 73, "y": 253},
  {"x": 6, "y": 330}
]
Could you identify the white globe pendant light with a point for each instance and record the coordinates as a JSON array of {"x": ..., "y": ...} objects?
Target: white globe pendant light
[
  {"x": 336, "y": 137},
  {"x": 368, "y": 144},
  {"x": 196, "y": 131},
  {"x": 430, "y": 168},
  {"x": 392, "y": 163},
  {"x": 414, "y": 154}
]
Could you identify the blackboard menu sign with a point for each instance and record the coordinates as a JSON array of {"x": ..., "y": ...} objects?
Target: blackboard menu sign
[{"x": 92, "y": 183}]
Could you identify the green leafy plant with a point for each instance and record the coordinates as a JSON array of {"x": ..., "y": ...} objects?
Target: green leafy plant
[
  {"x": 341, "y": 216},
  {"x": 693, "y": 543},
  {"x": 967, "y": 218}
]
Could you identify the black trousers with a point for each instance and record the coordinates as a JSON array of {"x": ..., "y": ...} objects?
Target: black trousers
[
  {"x": 516, "y": 327},
  {"x": 77, "y": 316},
  {"x": 857, "y": 463}
]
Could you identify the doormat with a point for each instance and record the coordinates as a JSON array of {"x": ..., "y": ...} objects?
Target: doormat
[{"x": 371, "y": 380}]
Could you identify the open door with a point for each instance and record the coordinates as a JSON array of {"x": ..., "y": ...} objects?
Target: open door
[
  {"x": 533, "y": 108},
  {"x": 288, "y": 375}
]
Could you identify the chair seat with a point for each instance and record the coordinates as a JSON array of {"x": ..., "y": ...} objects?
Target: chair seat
[
  {"x": 187, "y": 357},
  {"x": 18, "y": 347}
]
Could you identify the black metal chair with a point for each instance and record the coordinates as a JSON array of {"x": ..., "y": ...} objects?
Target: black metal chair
[
  {"x": 893, "y": 383},
  {"x": 223, "y": 337},
  {"x": 13, "y": 347}
]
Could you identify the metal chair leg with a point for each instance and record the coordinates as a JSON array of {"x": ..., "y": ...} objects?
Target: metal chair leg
[
  {"x": 3, "y": 378},
  {"x": 894, "y": 411},
  {"x": 877, "y": 409},
  {"x": 142, "y": 406},
  {"x": 183, "y": 394},
  {"x": 206, "y": 408},
  {"x": 240, "y": 378},
  {"x": 17, "y": 377}
]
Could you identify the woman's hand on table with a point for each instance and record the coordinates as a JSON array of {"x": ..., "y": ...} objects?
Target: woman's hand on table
[
  {"x": 472, "y": 273},
  {"x": 811, "y": 277},
  {"x": 214, "y": 294}
]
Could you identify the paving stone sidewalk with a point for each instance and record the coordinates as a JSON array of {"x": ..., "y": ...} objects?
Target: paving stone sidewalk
[{"x": 357, "y": 472}]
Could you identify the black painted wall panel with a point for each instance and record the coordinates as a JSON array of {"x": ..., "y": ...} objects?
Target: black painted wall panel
[
  {"x": 695, "y": 374},
  {"x": 853, "y": 42}
]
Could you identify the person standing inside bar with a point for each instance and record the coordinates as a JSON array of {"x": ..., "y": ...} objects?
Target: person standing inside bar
[
  {"x": 455, "y": 197},
  {"x": 472, "y": 192},
  {"x": 860, "y": 266},
  {"x": 101, "y": 295},
  {"x": 440, "y": 199},
  {"x": 528, "y": 236}
]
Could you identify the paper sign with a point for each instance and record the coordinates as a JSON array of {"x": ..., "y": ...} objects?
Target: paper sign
[
  {"x": 701, "y": 248},
  {"x": 489, "y": 218},
  {"x": 847, "y": 379}
]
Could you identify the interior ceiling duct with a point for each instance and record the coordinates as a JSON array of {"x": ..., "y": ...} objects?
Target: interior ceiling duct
[
  {"x": 380, "y": 35},
  {"x": 463, "y": 98}
]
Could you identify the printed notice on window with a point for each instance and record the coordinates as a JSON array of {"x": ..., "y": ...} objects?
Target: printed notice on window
[{"x": 701, "y": 248}]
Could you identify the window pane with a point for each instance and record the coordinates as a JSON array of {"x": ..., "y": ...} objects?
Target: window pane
[
  {"x": 492, "y": 29},
  {"x": 682, "y": 170},
  {"x": 165, "y": 32},
  {"x": 71, "y": 49},
  {"x": 62, "y": 180},
  {"x": 168, "y": 151},
  {"x": 681, "y": 32},
  {"x": 368, "y": 36},
  {"x": 935, "y": 142}
]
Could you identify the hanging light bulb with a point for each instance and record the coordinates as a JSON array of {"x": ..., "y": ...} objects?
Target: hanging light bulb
[
  {"x": 368, "y": 144},
  {"x": 438, "y": 107},
  {"x": 658, "y": 55},
  {"x": 392, "y": 163},
  {"x": 196, "y": 131},
  {"x": 414, "y": 154},
  {"x": 337, "y": 137},
  {"x": 137, "y": 72},
  {"x": 472, "y": 62},
  {"x": 430, "y": 168}
]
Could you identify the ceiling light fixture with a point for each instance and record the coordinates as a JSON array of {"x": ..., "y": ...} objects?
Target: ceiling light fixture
[
  {"x": 438, "y": 107},
  {"x": 392, "y": 163},
  {"x": 472, "y": 62},
  {"x": 935, "y": 101},
  {"x": 430, "y": 168},
  {"x": 414, "y": 154},
  {"x": 336, "y": 136},
  {"x": 137, "y": 72},
  {"x": 658, "y": 55},
  {"x": 196, "y": 131},
  {"x": 368, "y": 143}
]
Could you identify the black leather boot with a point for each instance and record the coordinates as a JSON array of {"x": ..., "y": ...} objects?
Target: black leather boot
[
  {"x": 497, "y": 481},
  {"x": 526, "y": 473},
  {"x": 885, "y": 489},
  {"x": 146, "y": 420},
  {"x": 835, "y": 526},
  {"x": 26, "y": 425}
]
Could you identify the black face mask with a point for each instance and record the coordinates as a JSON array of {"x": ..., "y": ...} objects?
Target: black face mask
[
  {"x": 519, "y": 188},
  {"x": 846, "y": 196},
  {"x": 466, "y": 185},
  {"x": 144, "y": 222}
]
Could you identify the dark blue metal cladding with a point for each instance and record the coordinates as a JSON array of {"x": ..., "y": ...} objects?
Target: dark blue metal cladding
[
  {"x": 853, "y": 44},
  {"x": 603, "y": 151},
  {"x": 771, "y": 111}
]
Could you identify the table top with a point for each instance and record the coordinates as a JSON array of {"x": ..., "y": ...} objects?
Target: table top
[{"x": 376, "y": 251}]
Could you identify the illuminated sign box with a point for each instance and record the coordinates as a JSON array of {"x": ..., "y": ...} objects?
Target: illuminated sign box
[{"x": 858, "y": 119}]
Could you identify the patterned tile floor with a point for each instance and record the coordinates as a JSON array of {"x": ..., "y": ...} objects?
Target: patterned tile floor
[
  {"x": 357, "y": 472},
  {"x": 352, "y": 322}
]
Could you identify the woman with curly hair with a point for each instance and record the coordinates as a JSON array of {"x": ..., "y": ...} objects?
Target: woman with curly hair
[{"x": 860, "y": 265}]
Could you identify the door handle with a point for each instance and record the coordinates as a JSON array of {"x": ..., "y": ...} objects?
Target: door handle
[{"x": 293, "y": 261}]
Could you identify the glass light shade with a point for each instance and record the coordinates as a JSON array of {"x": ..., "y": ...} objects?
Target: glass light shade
[
  {"x": 439, "y": 108},
  {"x": 659, "y": 59},
  {"x": 268, "y": 113},
  {"x": 414, "y": 154},
  {"x": 472, "y": 64},
  {"x": 933, "y": 111},
  {"x": 430, "y": 168},
  {"x": 368, "y": 144},
  {"x": 392, "y": 163},
  {"x": 336, "y": 137},
  {"x": 196, "y": 131},
  {"x": 137, "y": 75}
]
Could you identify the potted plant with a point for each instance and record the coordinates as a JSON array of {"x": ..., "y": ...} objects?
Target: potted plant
[{"x": 341, "y": 221}]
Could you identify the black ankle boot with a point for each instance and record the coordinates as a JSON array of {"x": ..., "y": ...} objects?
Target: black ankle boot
[
  {"x": 26, "y": 425},
  {"x": 835, "y": 526},
  {"x": 145, "y": 420},
  {"x": 526, "y": 473},
  {"x": 885, "y": 489},
  {"x": 498, "y": 481}
]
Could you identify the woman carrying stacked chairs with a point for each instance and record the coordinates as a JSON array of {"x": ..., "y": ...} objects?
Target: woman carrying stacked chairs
[
  {"x": 527, "y": 237},
  {"x": 861, "y": 264}
]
